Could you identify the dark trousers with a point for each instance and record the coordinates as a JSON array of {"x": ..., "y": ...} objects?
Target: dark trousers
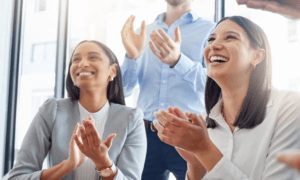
[{"x": 161, "y": 159}]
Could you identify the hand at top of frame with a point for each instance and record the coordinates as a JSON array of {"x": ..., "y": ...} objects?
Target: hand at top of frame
[
  {"x": 169, "y": 50},
  {"x": 290, "y": 158},
  {"x": 290, "y": 8},
  {"x": 178, "y": 132},
  {"x": 92, "y": 146},
  {"x": 132, "y": 42}
]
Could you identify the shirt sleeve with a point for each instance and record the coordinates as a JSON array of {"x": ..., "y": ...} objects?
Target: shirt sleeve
[
  {"x": 129, "y": 74},
  {"x": 286, "y": 136},
  {"x": 130, "y": 163},
  {"x": 191, "y": 71},
  {"x": 35, "y": 145}
]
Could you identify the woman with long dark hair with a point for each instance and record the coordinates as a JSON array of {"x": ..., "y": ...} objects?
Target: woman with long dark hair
[
  {"x": 94, "y": 85},
  {"x": 247, "y": 121}
]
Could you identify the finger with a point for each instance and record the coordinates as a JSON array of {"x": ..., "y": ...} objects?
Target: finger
[
  {"x": 143, "y": 28},
  {"x": 291, "y": 159},
  {"x": 163, "y": 134},
  {"x": 194, "y": 118},
  {"x": 88, "y": 126},
  {"x": 79, "y": 144},
  {"x": 125, "y": 26},
  {"x": 171, "y": 118},
  {"x": 76, "y": 129},
  {"x": 159, "y": 46},
  {"x": 131, "y": 23},
  {"x": 177, "y": 35},
  {"x": 166, "y": 38},
  {"x": 109, "y": 140},
  {"x": 91, "y": 119},
  {"x": 171, "y": 110},
  {"x": 83, "y": 136},
  {"x": 180, "y": 113},
  {"x": 154, "y": 50},
  {"x": 95, "y": 135},
  {"x": 165, "y": 123}
]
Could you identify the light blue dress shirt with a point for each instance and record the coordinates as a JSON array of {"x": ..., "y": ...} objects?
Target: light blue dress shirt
[{"x": 162, "y": 86}]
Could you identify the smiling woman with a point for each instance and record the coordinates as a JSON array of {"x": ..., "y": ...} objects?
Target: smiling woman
[{"x": 94, "y": 85}]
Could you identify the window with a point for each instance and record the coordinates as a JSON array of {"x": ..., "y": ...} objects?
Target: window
[
  {"x": 282, "y": 35},
  {"x": 37, "y": 64}
]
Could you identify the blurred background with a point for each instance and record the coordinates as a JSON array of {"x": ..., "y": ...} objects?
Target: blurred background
[{"x": 37, "y": 38}]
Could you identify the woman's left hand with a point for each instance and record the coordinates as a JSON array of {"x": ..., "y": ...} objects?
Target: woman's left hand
[
  {"x": 92, "y": 146},
  {"x": 180, "y": 133}
]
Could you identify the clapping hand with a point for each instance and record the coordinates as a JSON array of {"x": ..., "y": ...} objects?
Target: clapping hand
[
  {"x": 169, "y": 50},
  {"x": 76, "y": 157},
  {"x": 132, "y": 42},
  {"x": 92, "y": 146},
  {"x": 179, "y": 133},
  {"x": 288, "y": 11}
]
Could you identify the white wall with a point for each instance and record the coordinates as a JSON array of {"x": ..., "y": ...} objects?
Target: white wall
[{"x": 5, "y": 36}]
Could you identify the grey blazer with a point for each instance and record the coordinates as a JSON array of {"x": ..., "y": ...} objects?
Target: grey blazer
[{"x": 51, "y": 131}]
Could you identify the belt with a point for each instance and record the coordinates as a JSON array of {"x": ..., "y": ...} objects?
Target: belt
[{"x": 149, "y": 125}]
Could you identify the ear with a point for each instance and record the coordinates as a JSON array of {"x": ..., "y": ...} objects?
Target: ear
[
  {"x": 113, "y": 70},
  {"x": 259, "y": 56}
]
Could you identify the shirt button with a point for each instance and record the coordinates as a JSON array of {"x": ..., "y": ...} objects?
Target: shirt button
[
  {"x": 164, "y": 81},
  {"x": 162, "y": 104}
]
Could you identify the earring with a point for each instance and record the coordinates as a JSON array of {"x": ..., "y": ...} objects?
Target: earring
[
  {"x": 254, "y": 66},
  {"x": 111, "y": 79}
]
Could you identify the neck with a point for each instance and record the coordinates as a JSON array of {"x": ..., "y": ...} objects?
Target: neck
[
  {"x": 175, "y": 12},
  {"x": 92, "y": 101},
  {"x": 233, "y": 95}
]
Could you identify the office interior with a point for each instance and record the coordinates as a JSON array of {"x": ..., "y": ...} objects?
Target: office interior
[{"x": 37, "y": 37}]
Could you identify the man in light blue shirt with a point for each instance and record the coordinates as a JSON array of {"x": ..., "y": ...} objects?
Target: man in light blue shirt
[{"x": 170, "y": 71}]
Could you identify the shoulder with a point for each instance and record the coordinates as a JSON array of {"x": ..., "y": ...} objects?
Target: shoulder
[
  {"x": 284, "y": 98},
  {"x": 287, "y": 105},
  {"x": 50, "y": 107}
]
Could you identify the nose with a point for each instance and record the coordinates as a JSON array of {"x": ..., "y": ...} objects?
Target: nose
[
  {"x": 216, "y": 45},
  {"x": 84, "y": 63}
]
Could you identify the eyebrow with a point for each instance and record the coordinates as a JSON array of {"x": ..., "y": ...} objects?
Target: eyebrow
[
  {"x": 88, "y": 53},
  {"x": 228, "y": 32}
]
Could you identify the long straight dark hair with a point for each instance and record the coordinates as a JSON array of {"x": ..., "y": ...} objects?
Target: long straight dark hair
[
  {"x": 253, "y": 109},
  {"x": 115, "y": 93}
]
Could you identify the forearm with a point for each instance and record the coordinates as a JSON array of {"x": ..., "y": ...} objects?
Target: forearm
[
  {"x": 195, "y": 172},
  {"x": 56, "y": 172}
]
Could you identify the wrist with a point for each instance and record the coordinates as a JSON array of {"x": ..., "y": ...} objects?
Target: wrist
[
  {"x": 175, "y": 62},
  {"x": 105, "y": 163},
  {"x": 131, "y": 56},
  {"x": 66, "y": 166}
]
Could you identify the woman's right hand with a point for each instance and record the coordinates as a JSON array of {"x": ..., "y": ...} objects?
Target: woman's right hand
[
  {"x": 186, "y": 155},
  {"x": 76, "y": 157},
  {"x": 133, "y": 43}
]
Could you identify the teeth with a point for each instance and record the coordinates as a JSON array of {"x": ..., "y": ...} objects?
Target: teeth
[
  {"x": 213, "y": 58},
  {"x": 85, "y": 73}
]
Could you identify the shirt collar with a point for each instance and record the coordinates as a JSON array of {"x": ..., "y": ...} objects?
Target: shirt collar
[
  {"x": 98, "y": 116},
  {"x": 191, "y": 16}
]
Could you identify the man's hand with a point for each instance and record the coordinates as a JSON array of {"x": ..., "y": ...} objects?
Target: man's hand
[
  {"x": 289, "y": 11},
  {"x": 132, "y": 42},
  {"x": 169, "y": 50}
]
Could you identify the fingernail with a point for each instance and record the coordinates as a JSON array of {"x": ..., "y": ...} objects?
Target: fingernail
[
  {"x": 155, "y": 113},
  {"x": 188, "y": 113},
  {"x": 160, "y": 111}
]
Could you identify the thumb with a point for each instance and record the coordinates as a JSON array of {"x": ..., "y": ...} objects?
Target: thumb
[
  {"x": 109, "y": 140},
  {"x": 177, "y": 35},
  {"x": 143, "y": 29}
]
